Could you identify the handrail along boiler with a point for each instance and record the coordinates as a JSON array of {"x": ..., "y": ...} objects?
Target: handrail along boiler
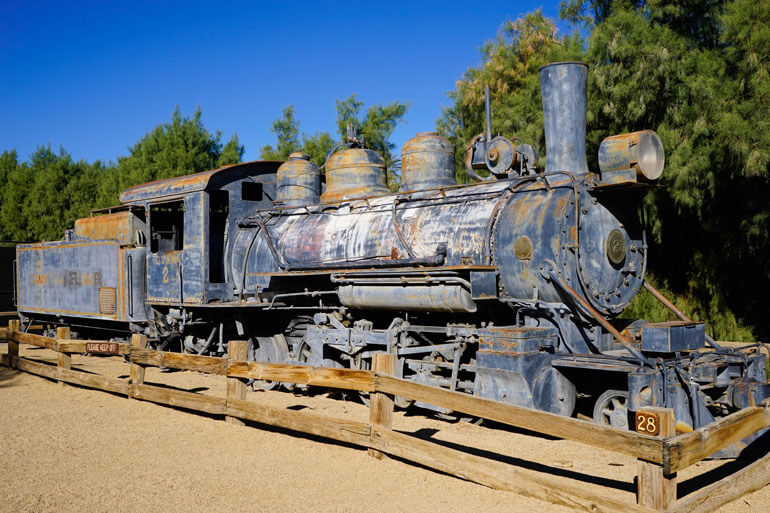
[{"x": 508, "y": 288}]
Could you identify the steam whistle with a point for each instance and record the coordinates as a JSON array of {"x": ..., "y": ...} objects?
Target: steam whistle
[
  {"x": 353, "y": 138},
  {"x": 498, "y": 155}
]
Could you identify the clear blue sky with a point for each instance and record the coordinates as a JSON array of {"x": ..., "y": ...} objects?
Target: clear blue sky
[{"x": 94, "y": 77}]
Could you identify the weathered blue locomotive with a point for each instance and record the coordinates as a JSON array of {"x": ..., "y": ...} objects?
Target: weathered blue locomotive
[{"x": 508, "y": 289}]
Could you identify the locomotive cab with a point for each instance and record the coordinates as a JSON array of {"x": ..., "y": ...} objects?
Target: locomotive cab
[{"x": 190, "y": 221}]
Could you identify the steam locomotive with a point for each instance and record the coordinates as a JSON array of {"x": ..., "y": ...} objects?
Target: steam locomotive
[{"x": 508, "y": 288}]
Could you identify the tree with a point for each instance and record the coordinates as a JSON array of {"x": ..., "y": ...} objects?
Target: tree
[
  {"x": 696, "y": 73},
  {"x": 286, "y": 129},
  {"x": 180, "y": 147},
  {"x": 232, "y": 153}
]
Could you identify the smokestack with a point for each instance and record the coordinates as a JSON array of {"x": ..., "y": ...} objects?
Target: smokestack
[{"x": 563, "y": 87}]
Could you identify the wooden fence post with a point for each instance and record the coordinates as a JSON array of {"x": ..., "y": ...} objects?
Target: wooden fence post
[
  {"x": 13, "y": 346},
  {"x": 63, "y": 360},
  {"x": 381, "y": 405},
  {"x": 136, "y": 371},
  {"x": 237, "y": 350},
  {"x": 654, "y": 488}
]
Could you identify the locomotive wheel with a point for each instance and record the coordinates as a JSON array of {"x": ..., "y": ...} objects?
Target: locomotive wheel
[
  {"x": 361, "y": 364},
  {"x": 268, "y": 349},
  {"x": 611, "y": 409}
]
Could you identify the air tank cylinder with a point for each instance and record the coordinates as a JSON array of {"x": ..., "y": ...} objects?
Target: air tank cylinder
[
  {"x": 563, "y": 88},
  {"x": 354, "y": 173},
  {"x": 299, "y": 181},
  {"x": 427, "y": 160}
]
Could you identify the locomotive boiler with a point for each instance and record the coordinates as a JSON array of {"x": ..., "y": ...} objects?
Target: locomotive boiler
[{"x": 509, "y": 288}]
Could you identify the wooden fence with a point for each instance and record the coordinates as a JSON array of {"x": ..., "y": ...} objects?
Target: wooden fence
[{"x": 660, "y": 457}]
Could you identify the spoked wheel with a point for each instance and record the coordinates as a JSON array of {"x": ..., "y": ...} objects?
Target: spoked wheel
[
  {"x": 611, "y": 409},
  {"x": 268, "y": 349},
  {"x": 360, "y": 363},
  {"x": 306, "y": 356}
]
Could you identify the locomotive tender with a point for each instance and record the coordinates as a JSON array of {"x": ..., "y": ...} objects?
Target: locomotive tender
[{"x": 507, "y": 289}]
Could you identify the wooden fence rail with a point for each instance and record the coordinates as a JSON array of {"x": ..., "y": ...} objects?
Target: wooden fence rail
[{"x": 661, "y": 457}]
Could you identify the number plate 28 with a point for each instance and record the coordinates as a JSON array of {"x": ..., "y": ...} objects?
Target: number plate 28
[{"x": 647, "y": 423}]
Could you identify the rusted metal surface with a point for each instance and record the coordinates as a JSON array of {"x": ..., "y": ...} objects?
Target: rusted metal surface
[
  {"x": 427, "y": 160},
  {"x": 640, "y": 151},
  {"x": 123, "y": 227},
  {"x": 298, "y": 181},
  {"x": 564, "y": 86},
  {"x": 194, "y": 182},
  {"x": 354, "y": 173},
  {"x": 68, "y": 278},
  {"x": 426, "y": 298}
]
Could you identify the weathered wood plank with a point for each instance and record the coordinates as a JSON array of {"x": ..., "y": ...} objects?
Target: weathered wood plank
[
  {"x": 689, "y": 448},
  {"x": 136, "y": 371},
  {"x": 3, "y": 333},
  {"x": 64, "y": 360},
  {"x": 207, "y": 364},
  {"x": 94, "y": 381},
  {"x": 747, "y": 480},
  {"x": 73, "y": 376},
  {"x": 342, "y": 430},
  {"x": 496, "y": 474},
  {"x": 5, "y": 360},
  {"x": 655, "y": 488},
  {"x": 236, "y": 388},
  {"x": 604, "y": 437},
  {"x": 34, "y": 340},
  {"x": 380, "y": 404},
  {"x": 319, "y": 376},
  {"x": 79, "y": 346},
  {"x": 189, "y": 400},
  {"x": 41, "y": 369}
]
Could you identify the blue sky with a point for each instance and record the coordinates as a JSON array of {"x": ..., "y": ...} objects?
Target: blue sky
[{"x": 94, "y": 77}]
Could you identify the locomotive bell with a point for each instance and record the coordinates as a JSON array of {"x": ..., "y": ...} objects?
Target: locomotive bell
[
  {"x": 354, "y": 173},
  {"x": 299, "y": 181},
  {"x": 563, "y": 86},
  {"x": 427, "y": 160}
]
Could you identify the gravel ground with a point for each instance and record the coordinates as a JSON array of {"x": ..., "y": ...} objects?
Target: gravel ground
[{"x": 69, "y": 449}]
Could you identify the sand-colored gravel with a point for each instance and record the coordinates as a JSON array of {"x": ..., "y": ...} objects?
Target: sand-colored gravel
[{"x": 69, "y": 449}]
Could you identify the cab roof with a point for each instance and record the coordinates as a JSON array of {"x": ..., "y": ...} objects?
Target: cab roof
[{"x": 212, "y": 179}]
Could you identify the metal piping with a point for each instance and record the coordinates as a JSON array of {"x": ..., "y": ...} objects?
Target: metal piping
[
  {"x": 548, "y": 270},
  {"x": 488, "y": 113}
]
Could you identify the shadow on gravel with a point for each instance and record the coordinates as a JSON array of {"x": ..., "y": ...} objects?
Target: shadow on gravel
[
  {"x": 193, "y": 390},
  {"x": 7, "y": 376},
  {"x": 428, "y": 433},
  {"x": 757, "y": 450}
]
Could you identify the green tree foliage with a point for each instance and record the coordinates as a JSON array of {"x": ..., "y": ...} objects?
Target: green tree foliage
[
  {"x": 286, "y": 130},
  {"x": 179, "y": 147},
  {"x": 46, "y": 194},
  {"x": 694, "y": 71},
  {"x": 42, "y": 197},
  {"x": 376, "y": 126}
]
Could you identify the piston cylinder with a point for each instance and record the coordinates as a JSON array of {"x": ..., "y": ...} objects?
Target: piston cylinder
[
  {"x": 299, "y": 181},
  {"x": 427, "y": 298},
  {"x": 427, "y": 160},
  {"x": 354, "y": 173},
  {"x": 563, "y": 86}
]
